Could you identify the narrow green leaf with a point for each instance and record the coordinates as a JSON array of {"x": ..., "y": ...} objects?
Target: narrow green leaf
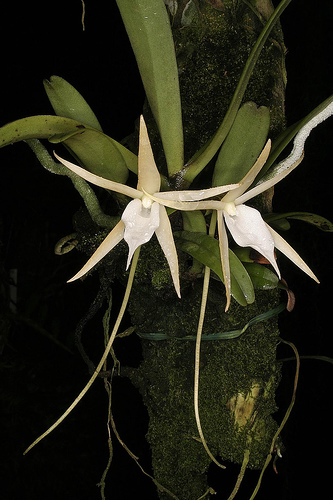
[
  {"x": 280, "y": 224},
  {"x": 199, "y": 161},
  {"x": 148, "y": 28},
  {"x": 316, "y": 220},
  {"x": 96, "y": 151},
  {"x": 38, "y": 127},
  {"x": 243, "y": 144},
  {"x": 205, "y": 249},
  {"x": 67, "y": 101},
  {"x": 231, "y": 334},
  {"x": 262, "y": 277}
]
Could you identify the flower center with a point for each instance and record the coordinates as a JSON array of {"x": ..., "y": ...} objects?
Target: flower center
[
  {"x": 146, "y": 202},
  {"x": 230, "y": 208}
]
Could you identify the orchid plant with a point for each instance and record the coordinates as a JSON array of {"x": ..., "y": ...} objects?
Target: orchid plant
[
  {"x": 146, "y": 213},
  {"x": 106, "y": 163}
]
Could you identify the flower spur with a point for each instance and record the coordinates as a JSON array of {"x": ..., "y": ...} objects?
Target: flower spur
[{"x": 146, "y": 213}]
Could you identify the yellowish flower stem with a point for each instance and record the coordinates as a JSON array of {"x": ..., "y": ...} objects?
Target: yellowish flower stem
[
  {"x": 103, "y": 358},
  {"x": 197, "y": 350}
]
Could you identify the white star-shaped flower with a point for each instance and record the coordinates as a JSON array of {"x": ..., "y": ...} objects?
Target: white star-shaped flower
[
  {"x": 245, "y": 224},
  {"x": 146, "y": 213}
]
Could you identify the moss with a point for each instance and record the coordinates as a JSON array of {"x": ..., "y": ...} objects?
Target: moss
[
  {"x": 212, "y": 53},
  {"x": 238, "y": 377}
]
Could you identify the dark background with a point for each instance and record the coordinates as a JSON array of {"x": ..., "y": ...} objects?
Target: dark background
[{"x": 39, "y": 379}]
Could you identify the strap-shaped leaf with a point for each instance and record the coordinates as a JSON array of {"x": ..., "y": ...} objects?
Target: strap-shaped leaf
[
  {"x": 316, "y": 220},
  {"x": 261, "y": 277},
  {"x": 96, "y": 151},
  {"x": 194, "y": 221},
  {"x": 206, "y": 250},
  {"x": 148, "y": 28},
  {"x": 67, "y": 101},
  {"x": 243, "y": 144}
]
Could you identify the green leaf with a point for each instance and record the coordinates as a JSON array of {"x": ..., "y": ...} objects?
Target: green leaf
[
  {"x": 231, "y": 334},
  {"x": 262, "y": 277},
  {"x": 316, "y": 220},
  {"x": 67, "y": 101},
  {"x": 201, "y": 159},
  {"x": 243, "y": 144},
  {"x": 243, "y": 253},
  {"x": 206, "y": 250},
  {"x": 194, "y": 221},
  {"x": 38, "y": 127},
  {"x": 96, "y": 151},
  {"x": 148, "y": 28}
]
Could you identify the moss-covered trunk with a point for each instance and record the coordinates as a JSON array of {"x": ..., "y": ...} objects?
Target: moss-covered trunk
[{"x": 238, "y": 377}]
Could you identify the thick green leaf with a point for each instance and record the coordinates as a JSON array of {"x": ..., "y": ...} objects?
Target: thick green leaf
[
  {"x": 148, "y": 28},
  {"x": 194, "y": 221},
  {"x": 243, "y": 144},
  {"x": 262, "y": 277},
  {"x": 316, "y": 220},
  {"x": 38, "y": 127},
  {"x": 96, "y": 151},
  {"x": 206, "y": 250},
  {"x": 67, "y": 101}
]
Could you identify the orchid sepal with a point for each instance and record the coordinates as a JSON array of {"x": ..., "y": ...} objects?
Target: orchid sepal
[
  {"x": 262, "y": 237},
  {"x": 284, "y": 247},
  {"x": 146, "y": 213},
  {"x": 112, "y": 239},
  {"x": 100, "y": 181},
  {"x": 167, "y": 243}
]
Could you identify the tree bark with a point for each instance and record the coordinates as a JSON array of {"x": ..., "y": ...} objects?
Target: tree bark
[{"x": 238, "y": 377}]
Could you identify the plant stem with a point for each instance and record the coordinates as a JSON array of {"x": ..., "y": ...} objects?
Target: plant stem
[{"x": 89, "y": 197}]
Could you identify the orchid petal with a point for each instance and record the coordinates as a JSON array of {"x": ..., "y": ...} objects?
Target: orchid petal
[
  {"x": 100, "y": 181},
  {"x": 263, "y": 186},
  {"x": 166, "y": 241},
  {"x": 149, "y": 178},
  {"x": 187, "y": 205},
  {"x": 247, "y": 180},
  {"x": 140, "y": 224},
  {"x": 113, "y": 238},
  {"x": 248, "y": 229},
  {"x": 224, "y": 251},
  {"x": 195, "y": 195},
  {"x": 289, "y": 252}
]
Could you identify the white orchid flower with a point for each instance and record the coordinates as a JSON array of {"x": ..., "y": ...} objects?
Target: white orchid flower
[
  {"x": 146, "y": 213},
  {"x": 245, "y": 224}
]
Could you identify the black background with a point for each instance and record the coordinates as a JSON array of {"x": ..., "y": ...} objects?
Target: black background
[{"x": 39, "y": 379}]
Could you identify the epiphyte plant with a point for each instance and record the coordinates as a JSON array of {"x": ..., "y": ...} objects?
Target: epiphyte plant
[
  {"x": 78, "y": 129},
  {"x": 146, "y": 213}
]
